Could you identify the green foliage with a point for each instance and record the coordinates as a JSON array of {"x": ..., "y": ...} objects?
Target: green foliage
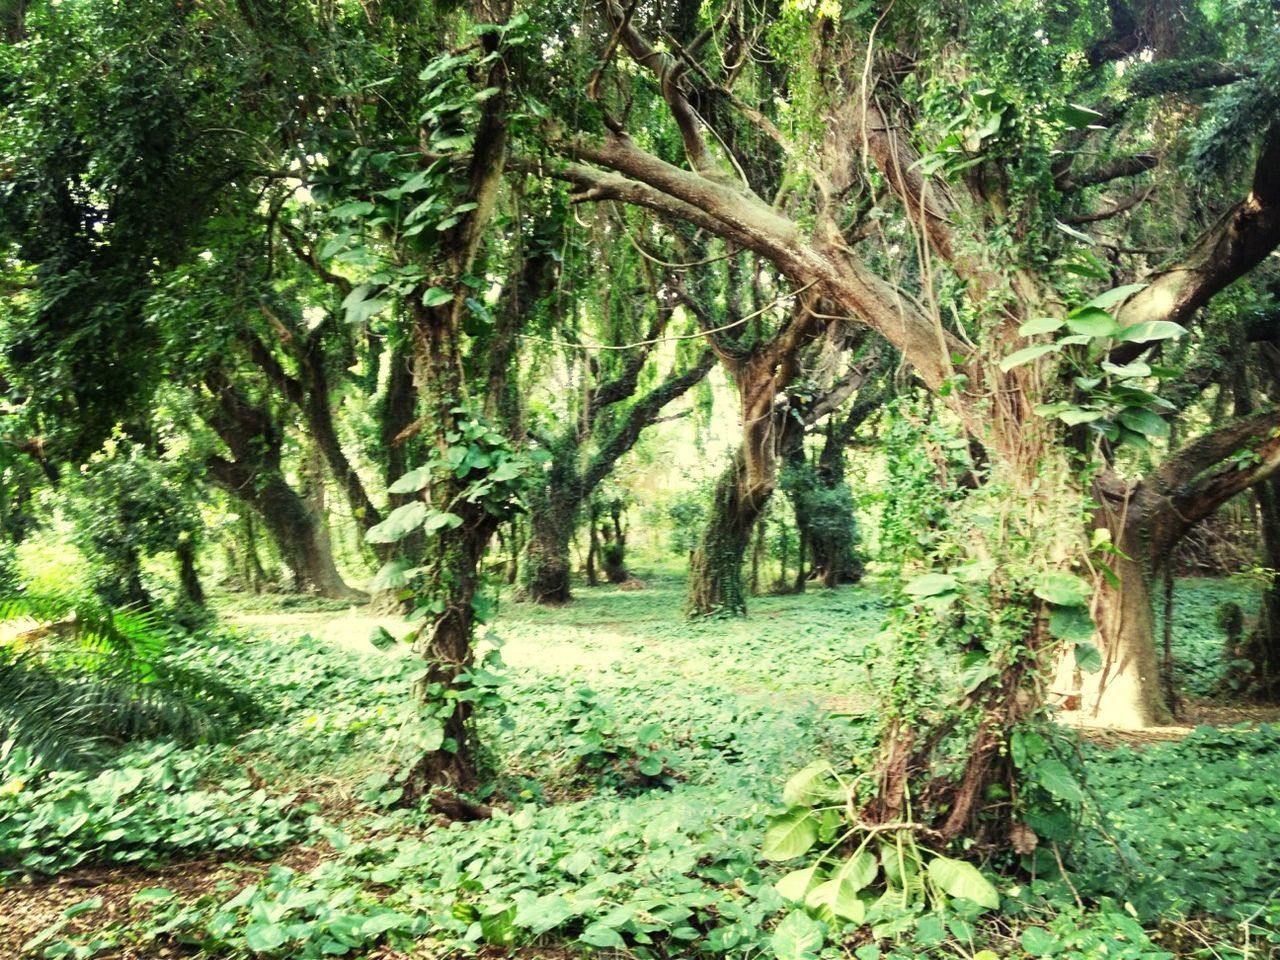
[
  {"x": 148, "y": 806},
  {"x": 607, "y": 755},
  {"x": 84, "y": 679},
  {"x": 1182, "y": 814},
  {"x": 127, "y": 506}
]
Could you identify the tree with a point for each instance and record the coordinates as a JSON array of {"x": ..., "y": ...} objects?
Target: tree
[{"x": 967, "y": 178}]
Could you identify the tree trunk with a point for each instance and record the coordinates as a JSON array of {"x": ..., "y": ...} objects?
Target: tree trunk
[
  {"x": 1264, "y": 645},
  {"x": 1127, "y": 691},
  {"x": 190, "y": 590},
  {"x": 715, "y": 575},
  {"x": 593, "y": 543},
  {"x": 546, "y": 552},
  {"x": 302, "y": 537}
]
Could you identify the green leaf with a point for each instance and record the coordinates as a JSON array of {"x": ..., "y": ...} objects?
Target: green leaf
[
  {"x": 1039, "y": 942},
  {"x": 1027, "y": 354},
  {"x": 435, "y": 296},
  {"x": 358, "y": 306},
  {"x": 401, "y": 522},
  {"x": 439, "y": 519},
  {"x": 859, "y": 870},
  {"x": 599, "y": 935},
  {"x": 1054, "y": 776},
  {"x": 1091, "y": 322},
  {"x": 1073, "y": 232},
  {"x": 393, "y": 575},
  {"x": 1062, "y": 589},
  {"x": 796, "y": 884},
  {"x": 1135, "y": 369},
  {"x": 412, "y": 482},
  {"x": 964, "y": 880},
  {"x": 838, "y": 897},
  {"x": 352, "y": 210},
  {"x": 260, "y": 937},
  {"x": 1107, "y": 300},
  {"x": 930, "y": 585},
  {"x": 1151, "y": 330},
  {"x": 1088, "y": 658},
  {"x": 1040, "y": 325},
  {"x": 809, "y": 786},
  {"x": 1072, "y": 624},
  {"x": 790, "y": 835},
  {"x": 797, "y": 937},
  {"x": 1078, "y": 415},
  {"x": 1144, "y": 421},
  {"x": 1080, "y": 117}
]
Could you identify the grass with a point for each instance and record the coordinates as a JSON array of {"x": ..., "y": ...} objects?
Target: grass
[{"x": 634, "y": 764}]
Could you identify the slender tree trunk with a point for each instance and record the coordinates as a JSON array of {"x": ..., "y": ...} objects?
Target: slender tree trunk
[
  {"x": 593, "y": 543},
  {"x": 1264, "y": 645},
  {"x": 190, "y": 590}
]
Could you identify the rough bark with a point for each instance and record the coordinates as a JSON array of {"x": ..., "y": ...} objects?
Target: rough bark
[{"x": 254, "y": 476}]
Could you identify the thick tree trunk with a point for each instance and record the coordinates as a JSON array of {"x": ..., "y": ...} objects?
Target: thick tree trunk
[
  {"x": 546, "y": 554},
  {"x": 302, "y": 538},
  {"x": 715, "y": 574},
  {"x": 1127, "y": 691}
]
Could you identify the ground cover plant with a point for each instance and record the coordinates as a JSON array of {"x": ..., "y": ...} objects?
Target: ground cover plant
[
  {"x": 632, "y": 787},
  {"x": 639, "y": 479}
]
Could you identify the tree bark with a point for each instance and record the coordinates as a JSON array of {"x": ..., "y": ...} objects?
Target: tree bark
[
  {"x": 190, "y": 591},
  {"x": 715, "y": 574},
  {"x": 255, "y": 477}
]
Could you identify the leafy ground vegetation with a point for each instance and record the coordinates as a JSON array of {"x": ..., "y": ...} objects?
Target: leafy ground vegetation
[{"x": 634, "y": 767}]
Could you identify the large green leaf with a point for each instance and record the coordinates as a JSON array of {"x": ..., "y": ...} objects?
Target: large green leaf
[
  {"x": 1040, "y": 325},
  {"x": 1091, "y": 322},
  {"x": 1150, "y": 330},
  {"x": 1072, "y": 624},
  {"x": 1088, "y": 658},
  {"x": 359, "y": 306},
  {"x": 1054, "y": 776},
  {"x": 1062, "y": 589},
  {"x": 960, "y": 879},
  {"x": 1027, "y": 354},
  {"x": 796, "y": 884},
  {"x": 812, "y": 785},
  {"x": 790, "y": 835},
  {"x": 1146, "y": 422},
  {"x": 411, "y": 482},
  {"x": 797, "y": 937},
  {"x": 401, "y": 522},
  {"x": 840, "y": 898},
  {"x": 1107, "y": 300},
  {"x": 930, "y": 585}
]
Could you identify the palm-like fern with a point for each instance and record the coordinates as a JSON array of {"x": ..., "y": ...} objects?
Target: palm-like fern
[{"x": 83, "y": 679}]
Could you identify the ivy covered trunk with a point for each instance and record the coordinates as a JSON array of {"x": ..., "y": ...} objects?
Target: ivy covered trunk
[
  {"x": 451, "y": 565},
  {"x": 553, "y": 514},
  {"x": 1126, "y": 690},
  {"x": 715, "y": 573}
]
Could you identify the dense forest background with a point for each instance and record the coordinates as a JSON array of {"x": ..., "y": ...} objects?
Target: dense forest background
[{"x": 523, "y": 471}]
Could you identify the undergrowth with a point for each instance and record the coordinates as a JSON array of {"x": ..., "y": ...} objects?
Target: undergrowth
[{"x": 633, "y": 771}]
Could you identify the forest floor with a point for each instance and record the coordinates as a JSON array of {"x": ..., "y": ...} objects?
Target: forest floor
[{"x": 635, "y": 758}]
